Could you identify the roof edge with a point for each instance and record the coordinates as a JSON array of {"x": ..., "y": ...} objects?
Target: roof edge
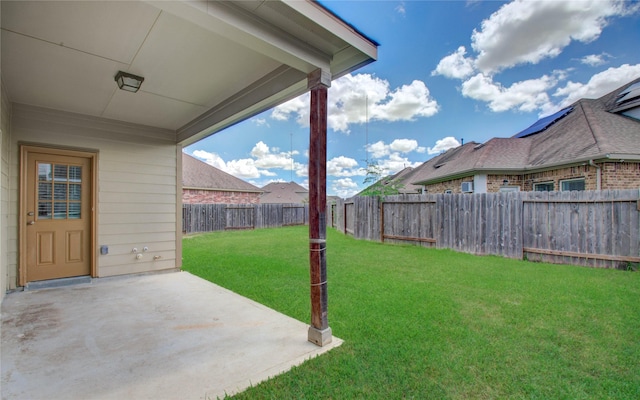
[
  {"x": 221, "y": 190},
  {"x": 529, "y": 170}
]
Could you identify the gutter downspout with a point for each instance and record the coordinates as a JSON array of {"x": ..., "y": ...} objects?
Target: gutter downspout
[{"x": 598, "y": 175}]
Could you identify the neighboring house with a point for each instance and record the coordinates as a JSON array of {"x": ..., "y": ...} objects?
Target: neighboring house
[
  {"x": 284, "y": 192},
  {"x": 88, "y": 172},
  {"x": 205, "y": 184},
  {"x": 592, "y": 145},
  {"x": 392, "y": 184}
]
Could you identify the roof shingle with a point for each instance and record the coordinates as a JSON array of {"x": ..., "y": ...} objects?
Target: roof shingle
[
  {"x": 590, "y": 131},
  {"x": 284, "y": 192},
  {"x": 197, "y": 174}
]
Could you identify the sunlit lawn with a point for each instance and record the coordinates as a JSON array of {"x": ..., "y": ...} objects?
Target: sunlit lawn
[{"x": 424, "y": 323}]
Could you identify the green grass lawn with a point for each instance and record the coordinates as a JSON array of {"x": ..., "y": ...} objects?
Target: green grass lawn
[{"x": 425, "y": 323}]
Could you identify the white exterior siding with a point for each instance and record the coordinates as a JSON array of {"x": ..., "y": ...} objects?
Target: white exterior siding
[
  {"x": 137, "y": 171},
  {"x": 7, "y": 277},
  {"x": 480, "y": 183}
]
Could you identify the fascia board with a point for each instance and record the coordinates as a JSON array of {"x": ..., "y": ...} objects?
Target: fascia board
[
  {"x": 275, "y": 88},
  {"x": 625, "y": 157},
  {"x": 335, "y": 25},
  {"x": 208, "y": 189},
  {"x": 529, "y": 169}
]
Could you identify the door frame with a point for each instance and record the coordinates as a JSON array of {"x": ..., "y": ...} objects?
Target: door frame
[{"x": 25, "y": 149}]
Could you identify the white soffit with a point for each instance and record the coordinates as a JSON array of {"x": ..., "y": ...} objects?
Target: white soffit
[
  {"x": 182, "y": 61},
  {"x": 148, "y": 109},
  {"x": 206, "y": 64},
  {"x": 45, "y": 75},
  {"x": 108, "y": 29}
]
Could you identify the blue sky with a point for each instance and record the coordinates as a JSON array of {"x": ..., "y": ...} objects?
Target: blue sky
[{"x": 446, "y": 71}]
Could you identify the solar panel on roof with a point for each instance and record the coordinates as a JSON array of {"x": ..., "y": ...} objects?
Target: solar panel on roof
[
  {"x": 543, "y": 123},
  {"x": 628, "y": 94}
]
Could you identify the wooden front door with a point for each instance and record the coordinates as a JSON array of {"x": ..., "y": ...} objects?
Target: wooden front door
[{"x": 57, "y": 207}]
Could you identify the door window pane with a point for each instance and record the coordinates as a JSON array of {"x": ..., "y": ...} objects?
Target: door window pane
[
  {"x": 59, "y": 210},
  {"x": 75, "y": 173},
  {"x": 60, "y": 172},
  {"x": 60, "y": 191},
  {"x": 75, "y": 192},
  {"x": 74, "y": 210},
  {"x": 44, "y": 210},
  {"x": 44, "y": 172},
  {"x": 44, "y": 191},
  {"x": 59, "y": 199}
]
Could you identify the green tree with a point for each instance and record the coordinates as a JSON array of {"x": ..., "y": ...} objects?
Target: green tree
[{"x": 379, "y": 185}]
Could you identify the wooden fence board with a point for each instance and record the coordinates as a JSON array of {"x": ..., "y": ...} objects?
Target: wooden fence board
[
  {"x": 583, "y": 228},
  {"x": 598, "y": 229},
  {"x": 219, "y": 217}
]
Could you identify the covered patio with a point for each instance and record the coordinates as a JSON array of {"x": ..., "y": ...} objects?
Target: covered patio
[
  {"x": 161, "y": 336},
  {"x": 97, "y": 100}
]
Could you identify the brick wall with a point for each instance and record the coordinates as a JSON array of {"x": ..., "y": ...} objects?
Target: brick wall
[
  {"x": 621, "y": 175},
  {"x": 495, "y": 182},
  {"x": 615, "y": 175},
  {"x": 581, "y": 171},
  {"x": 454, "y": 185},
  {"x": 198, "y": 196}
]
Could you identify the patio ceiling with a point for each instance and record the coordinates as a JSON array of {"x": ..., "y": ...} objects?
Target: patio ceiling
[{"x": 206, "y": 64}]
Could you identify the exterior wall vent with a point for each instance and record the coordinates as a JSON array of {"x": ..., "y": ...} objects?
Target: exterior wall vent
[{"x": 466, "y": 187}]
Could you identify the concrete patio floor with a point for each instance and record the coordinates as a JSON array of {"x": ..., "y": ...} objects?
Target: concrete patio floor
[{"x": 165, "y": 336}]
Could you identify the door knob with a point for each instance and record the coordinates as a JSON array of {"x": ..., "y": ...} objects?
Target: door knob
[
  {"x": 31, "y": 213},
  {"x": 31, "y": 223}
]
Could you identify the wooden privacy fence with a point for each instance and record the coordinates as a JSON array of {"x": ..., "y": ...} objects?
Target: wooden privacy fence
[
  {"x": 219, "y": 217},
  {"x": 599, "y": 229}
]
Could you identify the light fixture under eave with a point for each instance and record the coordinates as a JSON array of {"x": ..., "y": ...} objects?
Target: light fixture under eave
[{"x": 128, "y": 82}]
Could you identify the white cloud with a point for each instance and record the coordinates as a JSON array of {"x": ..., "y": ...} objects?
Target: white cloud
[
  {"x": 355, "y": 98},
  {"x": 599, "y": 85},
  {"x": 344, "y": 166},
  {"x": 455, "y": 65},
  {"x": 522, "y": 32},
  {"x": 344, "y": 187},
  {"x": 301, "y": 169},
  {"x": 443, "y": 144},
  {"x": 404, "y": 145},
  {"x": 401, "y": 9},
  {"x": 295, "y": 106},
  {"x": 260, "y": 122},
  {"x": 532, "y": 94},
  {"x": 594, "y": 60},
  {"x": 389, "y": 156},
  {"x": 406, "y": 103},
  {"x": 260, "y": 149},
  {"x": 210, "y": 158},
  {"x": 246, "y": 168},
  {"x": 396, "y": 163},
  {"x": 528, "y": 31},
  {"x": 378, "y": 149},
  {"x": 263, "y": 159},
  {"x": 271, "y": 157},
  {"x": 527, "y": 95}
]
